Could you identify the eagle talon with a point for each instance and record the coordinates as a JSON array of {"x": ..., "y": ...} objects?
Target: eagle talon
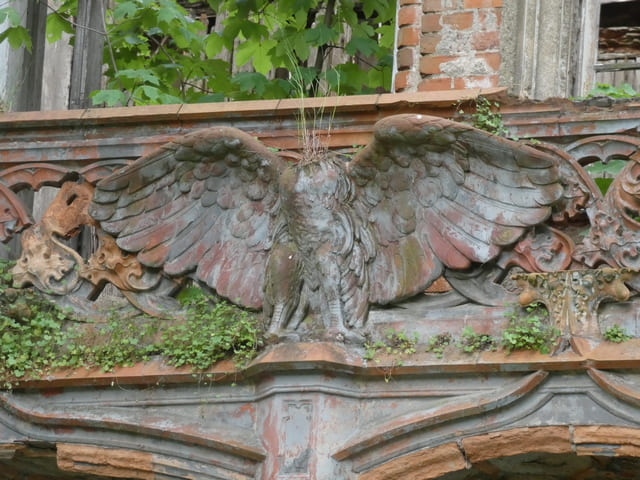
[{"x": 343, "y": 335}]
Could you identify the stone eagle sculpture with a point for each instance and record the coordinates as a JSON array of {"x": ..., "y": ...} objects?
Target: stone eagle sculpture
[{"x": 324, "y": 235}]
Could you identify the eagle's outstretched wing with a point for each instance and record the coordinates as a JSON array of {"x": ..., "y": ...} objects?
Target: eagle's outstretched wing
[
  {"x": 203, "y": 204},
  {"x": 440, "y": 194}
]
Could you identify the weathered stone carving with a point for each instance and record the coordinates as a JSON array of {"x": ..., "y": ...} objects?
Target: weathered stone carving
[
  {"x": 13, "y": 216},
  {"x": 55, "y": 268},
  {"x": 323, "y": 235},
  {"x": 573, "y": 297},
  {"x": 46, "y": 262},
  {"x": 427, "y": 199},
  {"x": 110, "y": 264},
  {"x": 614, "y": 236}
]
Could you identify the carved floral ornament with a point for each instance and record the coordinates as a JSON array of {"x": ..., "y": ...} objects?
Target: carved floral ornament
[{"x": 428, "y": 199}]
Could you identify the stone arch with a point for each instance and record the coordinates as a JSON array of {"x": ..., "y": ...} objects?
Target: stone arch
[{"x": 434, "y": 462}]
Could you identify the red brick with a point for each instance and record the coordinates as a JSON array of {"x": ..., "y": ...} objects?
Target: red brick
[
  {"x": 409, "y": 15},
  {"x": 429, "y": 42},
  {"x": 405, "y": 58},
  {"x": 432, "y": 6},
  {"x": 409, "y": 37},
  {"x": 482, "y": 3},
  {"x": 485, "y": 40},
  {"x": 409, "y": 2},
  {"x": 460, "y": 20},
  {"x": 402, "y": 80},
  {"x": 429, "y": 84},
  {"x": 431, "y": 64},
  {"x": 426, "y": 464},
  {"x": 476, "y": 81},
  {"x": 431, "y": 22},
  {"x": 516, "y": 441},
  {"x": 493, "y": 60}
]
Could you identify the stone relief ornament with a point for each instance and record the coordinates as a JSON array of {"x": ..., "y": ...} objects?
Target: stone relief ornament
[
  {"x": 572, "y": 298},
  {"x": 327, "y": 239},
  {"x": 324, "y": 236}
]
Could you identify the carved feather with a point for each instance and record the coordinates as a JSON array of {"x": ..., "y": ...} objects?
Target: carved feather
[
  {"x": 203, "y": 204},
  {"x": 461, "y": 196}
]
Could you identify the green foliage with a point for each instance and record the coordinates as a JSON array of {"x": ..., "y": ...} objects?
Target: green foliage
[
  {"x": 603, "y": 173},
  {"x": 211, "y": 332},
  {"x": 470, "y": 341},
  {"x": 15, "y": 34},
  {"x": 394, "y": 343},
  {"x": 605, "y": 90},
  {"x": 122, "y": 342},
  {"x": 438, "y": 343},
  {"x": 487, "y": 117},
  {"x": 37, "y": 337},
  {"x": 616, "y": 334},
  {"x": 156, "y": 53},
  {"x": 529, "y": 329},
  {"x": 30, "y": 331}
]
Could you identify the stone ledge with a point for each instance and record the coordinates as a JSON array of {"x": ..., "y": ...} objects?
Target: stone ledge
[
  {"x": 261, "y": 108},
  {"x": 336, "y": 358}
]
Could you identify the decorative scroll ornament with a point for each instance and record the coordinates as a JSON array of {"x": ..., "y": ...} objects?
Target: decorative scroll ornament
[
  {"x": 579, "y": 191},
  {"x": 543, "y": 249},
  {"x": 323, "y": 239},
  {"x": 46, "y": 263},
  {"x": 55, "y": 268},
  {"x": 109, "y": 264},
  {"x": 572, "y": 297},
  {"x": 614, "y": 237},
  {"x": 13, "y": 216}
]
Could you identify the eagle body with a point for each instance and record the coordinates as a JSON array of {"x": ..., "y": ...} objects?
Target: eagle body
[{"x": 317, "y": 208}]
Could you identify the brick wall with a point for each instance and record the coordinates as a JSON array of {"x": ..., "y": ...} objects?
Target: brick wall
[{"x": 448, "y": 44}]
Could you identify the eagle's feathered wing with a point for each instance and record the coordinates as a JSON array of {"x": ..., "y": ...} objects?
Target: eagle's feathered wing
[
  {"x": 437, "y": 194},
  {"x": 203, "y": 205}
]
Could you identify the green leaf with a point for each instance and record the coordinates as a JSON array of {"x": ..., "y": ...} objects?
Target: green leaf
[
  {"x": 135, "y": 39},
  {"x": 10, "y": 14},
  {"x": 251, "y": 82},
  {"x": 252, "y": 30},
  {"x": 245, "y": 52},
  {"x": 320, "y": 35},
  {"x": 371, "y": 6},
  {"x": 606, "y": 170},
  {"x": 17, "y": 37},
  {"x": 110, "y": 98},
  {"x": 168, "y": 14},
  {"x": 125, "y": 9},
  {"x": 140, "y": 75},
  {"x": 56, "y": 26},
  {"x": 152, "y": 93},
  {"x": 261, "y": 59},
  {"x": 603, "y": 184},
  {"x": 212, "y": 98},
  {"x": 366, "y": 46},
  {"x": 386, "y": 36},
  {"x": 213, "y": 45}
]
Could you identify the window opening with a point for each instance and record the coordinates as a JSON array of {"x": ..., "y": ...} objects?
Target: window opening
[{"x": 618, "y": 58}]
